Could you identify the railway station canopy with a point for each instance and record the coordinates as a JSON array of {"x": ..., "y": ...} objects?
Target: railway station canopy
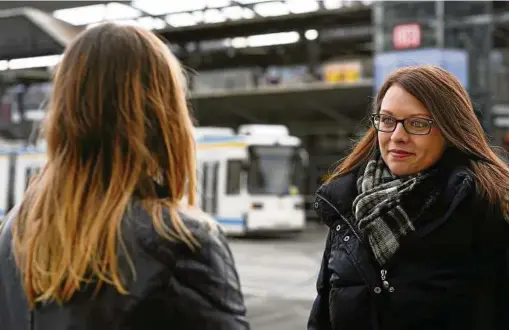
[{"x": 219, "y": 35}]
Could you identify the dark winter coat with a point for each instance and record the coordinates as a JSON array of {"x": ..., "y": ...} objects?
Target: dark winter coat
[
  {"x": 452, "y": 273},
  {"x": 175, "y": 287}
]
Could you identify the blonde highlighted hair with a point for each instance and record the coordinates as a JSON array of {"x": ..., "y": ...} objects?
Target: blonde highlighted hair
[{"x": 117, "y": 127}]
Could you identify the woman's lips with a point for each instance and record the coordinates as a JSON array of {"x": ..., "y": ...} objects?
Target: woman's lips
[{"x": 400, "y": 154}]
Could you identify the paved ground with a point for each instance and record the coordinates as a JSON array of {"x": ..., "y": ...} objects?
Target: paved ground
[{"x": 278, "y": 277}]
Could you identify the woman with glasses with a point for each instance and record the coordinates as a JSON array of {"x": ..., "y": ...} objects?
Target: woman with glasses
[{"x": 418, "y": 217}]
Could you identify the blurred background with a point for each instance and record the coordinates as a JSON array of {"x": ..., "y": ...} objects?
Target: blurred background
[{"x": 297, "y": 76}]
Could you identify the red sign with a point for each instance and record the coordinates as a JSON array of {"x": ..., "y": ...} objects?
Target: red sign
[
  {"x": 5, "y": 114},
  {"x": 407, "y": 36}
]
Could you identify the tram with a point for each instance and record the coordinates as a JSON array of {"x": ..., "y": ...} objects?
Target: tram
[{"x": 249, "y": 181}]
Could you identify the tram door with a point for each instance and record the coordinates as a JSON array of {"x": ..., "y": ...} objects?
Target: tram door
[
  {"x": 5, "y": 183},
  {"x": 27, "y": 165},
  {"x": 209, "y": 187}
]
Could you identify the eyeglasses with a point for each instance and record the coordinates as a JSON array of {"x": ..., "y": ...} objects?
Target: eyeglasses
[{"x": 414, "y": 126}]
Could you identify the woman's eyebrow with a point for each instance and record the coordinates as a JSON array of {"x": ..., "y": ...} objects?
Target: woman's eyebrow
[{"x": 412, "y": 115}]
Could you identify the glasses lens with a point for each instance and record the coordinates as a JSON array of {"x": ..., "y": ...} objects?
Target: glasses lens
[
  {"x": 384, "y": 123},
  {"x": 417, "y": 126}
]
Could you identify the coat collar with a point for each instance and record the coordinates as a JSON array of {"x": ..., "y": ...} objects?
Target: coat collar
[
  {"x": 458, "y": 184},
  {"x": 340, "y": 192}
]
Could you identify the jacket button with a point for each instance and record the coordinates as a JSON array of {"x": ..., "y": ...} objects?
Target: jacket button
[
  {"x": 346, "y": 239},
  {"x": 338, "y": 227},
  {"x": 316, "y": 205},
  {"x": 377, "y": 290}
]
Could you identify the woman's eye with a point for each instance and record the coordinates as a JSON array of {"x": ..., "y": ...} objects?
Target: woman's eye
[
  {"x": 387, "y": 121},
  {"x": 419, "y": 123}
]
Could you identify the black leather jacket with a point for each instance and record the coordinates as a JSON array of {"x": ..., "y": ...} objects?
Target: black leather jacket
[{"x": 174, "y": 288}]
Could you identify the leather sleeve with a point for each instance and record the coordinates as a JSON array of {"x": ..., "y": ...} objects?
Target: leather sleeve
[
  {"x": 208, "y": 287},
  {"x": 319, "y": 317}
]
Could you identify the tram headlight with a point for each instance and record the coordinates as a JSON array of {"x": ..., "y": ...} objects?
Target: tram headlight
[
  {"x": 256, "y": 206},
  {"x": 299, "y": 206}
]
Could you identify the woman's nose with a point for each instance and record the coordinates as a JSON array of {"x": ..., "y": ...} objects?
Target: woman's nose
[{"x": 399, "y": 134}]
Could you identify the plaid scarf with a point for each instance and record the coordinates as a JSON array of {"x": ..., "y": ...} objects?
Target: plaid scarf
[{"x": 380, "y": 211}]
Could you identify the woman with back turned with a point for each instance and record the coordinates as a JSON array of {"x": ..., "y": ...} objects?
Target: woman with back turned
[
  {"x": 102, "y": 239},
  {"x": 418, "y": 217}
]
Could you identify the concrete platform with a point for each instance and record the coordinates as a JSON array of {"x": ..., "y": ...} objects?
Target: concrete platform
[{"x": 278, "y": 276}]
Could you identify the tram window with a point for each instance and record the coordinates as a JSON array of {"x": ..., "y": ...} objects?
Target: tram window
[
  {"x": 234, "y": 169},
  {"x": 29, "y": 173},
  {"x": 36, "y": 95},
  {"x": 9, "y": 104}
]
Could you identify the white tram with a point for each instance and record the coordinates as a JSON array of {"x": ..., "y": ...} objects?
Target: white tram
[
  {"x": 17, "y": 165},
  {"x": 249, "y": 182}
]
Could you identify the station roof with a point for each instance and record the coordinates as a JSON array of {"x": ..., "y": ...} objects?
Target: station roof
[
  {"x": 47, "y": 6},
  {"x": 323, "y": 18},
  {"x": 32, "y": 33},
  {"x": 332, "y": 106},
  {"x": 349, "y": 13}
]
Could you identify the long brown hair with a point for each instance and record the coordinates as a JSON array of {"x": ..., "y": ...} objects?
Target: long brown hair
[
  {"x": 451, "y": 108},
  {"x": 117, "y": 128}
]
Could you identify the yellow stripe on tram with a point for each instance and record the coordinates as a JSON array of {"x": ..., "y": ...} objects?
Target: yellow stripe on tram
[{"x": 206, "y": 146}]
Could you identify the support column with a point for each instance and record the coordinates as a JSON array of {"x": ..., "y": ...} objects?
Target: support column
[
  {"x": 469, "y": 26},
  {"x": 313, "y": 50},
  {"x": 452, "y": 34}
]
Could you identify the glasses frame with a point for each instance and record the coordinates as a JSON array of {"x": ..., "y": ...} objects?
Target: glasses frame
[{"x": 402, "y": 121}]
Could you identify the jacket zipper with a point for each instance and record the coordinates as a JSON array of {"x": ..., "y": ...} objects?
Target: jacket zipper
[
  {"x": 383, "y": 272},
  {"x": 385, "y": 283}
]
